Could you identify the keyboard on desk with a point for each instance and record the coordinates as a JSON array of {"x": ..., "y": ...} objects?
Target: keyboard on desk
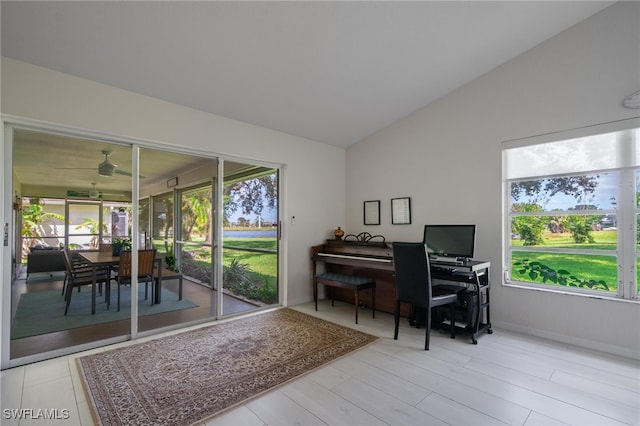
[{"x": 442, "y": 289}]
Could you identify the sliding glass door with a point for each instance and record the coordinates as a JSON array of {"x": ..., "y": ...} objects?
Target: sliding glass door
[
  {"x": 69, "y": 186},
  {"x": 250, "y": 240},
  {"x": 75, "y": 193}
]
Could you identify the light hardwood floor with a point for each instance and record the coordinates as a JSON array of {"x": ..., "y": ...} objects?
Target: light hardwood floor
[{"x": 507, "y": 378}]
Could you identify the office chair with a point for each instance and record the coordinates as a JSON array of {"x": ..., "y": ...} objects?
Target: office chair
[{"x": 413, "y": 285}]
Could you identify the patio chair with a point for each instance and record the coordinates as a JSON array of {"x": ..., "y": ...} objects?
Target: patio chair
[
  {"x": 146, "y": 259},
  {"x": 78, "y": 276}
]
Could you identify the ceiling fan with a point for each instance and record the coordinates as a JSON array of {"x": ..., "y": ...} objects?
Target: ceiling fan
[
  {"x": 106, "y": 168},
  {"x": 92, "y": 193}
]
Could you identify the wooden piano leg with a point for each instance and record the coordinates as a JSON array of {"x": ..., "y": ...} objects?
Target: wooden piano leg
[
  {"x": 355, "y": 293},
  {"x": 373, "y": 301},
  {"x": 315, "y": 291}
]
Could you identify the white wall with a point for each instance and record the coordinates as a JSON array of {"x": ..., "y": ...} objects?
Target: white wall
[
  {"x": 447, "y": 158},
  {"x": 314, "y": 173}
]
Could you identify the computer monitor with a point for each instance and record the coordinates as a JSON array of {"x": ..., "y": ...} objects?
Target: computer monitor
[{"x": 450, "y": 241}]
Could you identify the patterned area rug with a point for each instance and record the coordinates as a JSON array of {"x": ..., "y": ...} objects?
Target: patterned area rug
[{"x": 188, "y": 377}]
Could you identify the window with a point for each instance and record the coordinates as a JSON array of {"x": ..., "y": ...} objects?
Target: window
[{"x": 572, "y": 211}]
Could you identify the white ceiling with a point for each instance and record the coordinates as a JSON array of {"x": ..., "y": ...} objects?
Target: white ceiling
[{"x": 333, "y": 72}]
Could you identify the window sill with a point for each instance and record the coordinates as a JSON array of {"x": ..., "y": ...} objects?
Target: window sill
[{"x": 560, "y": 290}]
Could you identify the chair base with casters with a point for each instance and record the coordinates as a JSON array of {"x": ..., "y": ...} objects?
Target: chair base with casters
[{"x": 413, "y": 286}]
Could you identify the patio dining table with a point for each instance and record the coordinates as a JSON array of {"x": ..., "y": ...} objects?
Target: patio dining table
[{"x": 98, "y": 259}]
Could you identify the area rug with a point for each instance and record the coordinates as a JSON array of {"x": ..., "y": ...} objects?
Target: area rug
[
  {"x": 189, "y": 377},
  {"x": 42, "y": 312}
]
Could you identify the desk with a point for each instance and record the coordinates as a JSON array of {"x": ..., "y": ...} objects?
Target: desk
[
  {"x": 475, "y": 275},
  {"x": 103, "y": 259}
]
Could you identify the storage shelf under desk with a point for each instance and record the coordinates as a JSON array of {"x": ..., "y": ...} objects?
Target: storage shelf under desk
[{"x": 474, "y": 302}]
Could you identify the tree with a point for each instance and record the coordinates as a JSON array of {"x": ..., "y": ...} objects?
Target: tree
[
  {"x": 196, "y": 214},
  {"x": 165, "y": 221},
  {"x": 557, "y": 224},
  {"x": 93, "y": 226},
  {"x": 541, "y": 190},
  {"x": 529, "y": 228},
  {"x": 538, "y": 192},
  {"x": 251, "y": 196},
  {"x": 580, "y": 226}
]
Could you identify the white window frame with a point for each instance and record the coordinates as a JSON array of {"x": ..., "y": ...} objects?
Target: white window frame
[{"x": 627, "y": 166}]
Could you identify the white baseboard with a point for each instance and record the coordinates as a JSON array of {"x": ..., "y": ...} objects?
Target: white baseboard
[{"x": 570, "y": 340}]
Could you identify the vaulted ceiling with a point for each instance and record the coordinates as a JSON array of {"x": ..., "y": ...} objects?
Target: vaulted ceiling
[{"x": 333, "y": 72}]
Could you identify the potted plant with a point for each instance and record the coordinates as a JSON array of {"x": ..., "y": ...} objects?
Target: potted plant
[
  {"x": 170, "y": 259},
  {"x": 118, "y": 244}
]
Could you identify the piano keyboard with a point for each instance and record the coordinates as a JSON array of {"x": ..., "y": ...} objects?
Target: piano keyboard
[{"x": 343, "y": 256}]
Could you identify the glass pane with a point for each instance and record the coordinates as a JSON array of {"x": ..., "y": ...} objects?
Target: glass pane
[
  {"x": 42, "y": 224},
  {"x": 195, "y": 242},
  {"x": 595, "y": 152},
  {"x": 595, "y": 272},
  {"x": 70, "y": 177},
  {"x": 578, "y": 192},
  {"x": 589, "y": 232},
  {"x": 638, "y": 188},
  {"x": 163, "y": 222},
  {"x": 143, "y": 223},
  {"x": 84, "y": 225},
  {"x": 250, "y": 240},
  {"x": 169, "y": 216},
  {"x": 637, "y": 251}
]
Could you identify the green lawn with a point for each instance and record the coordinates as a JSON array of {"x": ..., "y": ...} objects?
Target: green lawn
[
  {"x": 262, "y": 263},
  {"x": 259, "y": 269},
  {"x": 604, "y": 240},
  {"x": 584, "y": 268}
]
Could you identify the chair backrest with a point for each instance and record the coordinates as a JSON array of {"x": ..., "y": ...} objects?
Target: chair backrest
[
  {"x": 67, "y": 260},
  {"x": 412, "y": 274},
  {"x": 145, "y": 263},
  {"x": 106, "y": 247}
]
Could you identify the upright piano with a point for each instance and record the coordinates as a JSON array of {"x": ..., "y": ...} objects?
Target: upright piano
[
  {"x": 375, "y": 260},
  {"x": 371, "y": 259}
]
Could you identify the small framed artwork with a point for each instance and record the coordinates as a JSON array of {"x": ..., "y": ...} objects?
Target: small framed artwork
[
  {"x": 372, "y": 212},
  {"x": 401, "y": 211}
]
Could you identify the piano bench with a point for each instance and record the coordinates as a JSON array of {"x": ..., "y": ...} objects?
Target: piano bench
[{"x": 350, "y": 282}]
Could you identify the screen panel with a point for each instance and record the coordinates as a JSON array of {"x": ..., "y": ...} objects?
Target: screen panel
[{"x": 450, "y": 240}]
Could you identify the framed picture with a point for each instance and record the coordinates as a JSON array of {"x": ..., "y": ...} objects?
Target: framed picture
[
  {"x": 401, "y": 211},
  {"x": 372, "y": 212}
]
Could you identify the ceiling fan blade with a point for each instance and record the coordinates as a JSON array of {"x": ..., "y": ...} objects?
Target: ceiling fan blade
[
  {"x": 124, "y": 173},
  {"x": 74, "y": 168}
]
